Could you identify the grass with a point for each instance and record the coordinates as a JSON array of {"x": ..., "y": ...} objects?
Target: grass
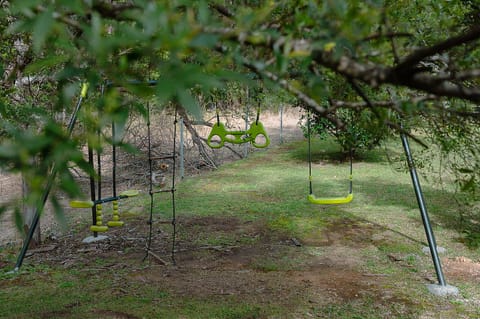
[{"x": 379, "y": 234}]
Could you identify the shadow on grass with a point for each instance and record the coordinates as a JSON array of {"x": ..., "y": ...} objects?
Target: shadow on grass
[
  {"x": 441, "y": 205},
  {"x": 330, "y": 151}
]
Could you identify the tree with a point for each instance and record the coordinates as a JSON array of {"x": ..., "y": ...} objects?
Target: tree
[{"x": 388, "y": 51}]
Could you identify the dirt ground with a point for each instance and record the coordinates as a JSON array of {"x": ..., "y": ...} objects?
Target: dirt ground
[{"x": 208, "y": 271}]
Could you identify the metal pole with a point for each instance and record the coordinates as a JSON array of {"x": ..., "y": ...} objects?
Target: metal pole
[
  {"x": 245, "y": 145},
  {"x": 49, "y": 185},
  {"x": 423, "y": 211},
  {"x": 281, "y": 124},
  {"x": 92, "y": 188},
  {"x": 99, "y": 167},
  {"x": 182, "y": 158},
  {"x": 114, "y": 160}
]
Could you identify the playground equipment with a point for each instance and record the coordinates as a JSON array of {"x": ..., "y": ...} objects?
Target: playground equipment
[
  {"x": 326, "y": 200},
  {"x": 98, "y": 226},
  {"x": 250, "y": 135},
  {"x": 97, "y": 204}
]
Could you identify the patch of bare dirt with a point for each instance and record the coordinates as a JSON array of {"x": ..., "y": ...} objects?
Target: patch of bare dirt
[
  {"x": 462, "y": 268},
  {"x": 108, "y": 314},
  {"x": 346, "y": 232}
]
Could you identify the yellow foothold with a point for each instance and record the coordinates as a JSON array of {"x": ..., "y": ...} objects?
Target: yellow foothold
[
  {"x": 328, "y": 47},
  {"x": 115, "y": 223},
  {"x": 81, "y": 204},
  {"x": 98, "y": 229},
  {"x": 84, "y": 89}
]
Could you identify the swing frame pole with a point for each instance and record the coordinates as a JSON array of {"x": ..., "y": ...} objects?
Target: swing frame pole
[
  {"x": 150, "y": 185},
  {"x": 49, "y": 185},
  {"x": 92, "y": 188},
  {"x": 245, "y": 146},
  {"x": 281, "y": 124},
  {"x": 423, "y": 211}
]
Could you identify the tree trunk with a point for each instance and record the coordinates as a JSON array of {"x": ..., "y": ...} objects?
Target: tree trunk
[
  {"x": 197, "y": 140},
  {"x": 28, "y": 215}
]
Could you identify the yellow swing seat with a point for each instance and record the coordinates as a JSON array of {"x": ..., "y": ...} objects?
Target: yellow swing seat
[{"x": 330, "y": 200}]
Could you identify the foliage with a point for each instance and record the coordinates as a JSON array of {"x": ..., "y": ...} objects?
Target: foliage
[
  {"x": 360, "y": 131},
  {"x": 457, "y": 158}
]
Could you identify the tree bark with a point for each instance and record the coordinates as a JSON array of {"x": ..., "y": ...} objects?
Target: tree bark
[
  {"x": 196, "y": 138},
  {"x": 28, "y": 215}
]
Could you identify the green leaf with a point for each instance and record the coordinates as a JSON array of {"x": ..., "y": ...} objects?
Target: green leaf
[
  {"x": 18, "y": 219},
  {"x": 42, "y": 28},
  {"x": 204, "y": 40},
  {"x": 47, "y": 62},
  {"x": 189, "y": 103},
  {"x": 203, "y": 12},
  {"x": 58, "y": 211}
]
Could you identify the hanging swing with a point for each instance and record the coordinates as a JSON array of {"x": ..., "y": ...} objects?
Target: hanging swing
[
  {"x": 326, "y": 200},
  {"x": 238, "y": 137}
]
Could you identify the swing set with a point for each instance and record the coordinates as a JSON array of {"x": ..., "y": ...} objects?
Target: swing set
[
  {"x": 326, "y": 200},
  {"x": 96, "y": 204},
  {"x": 236, "y": 137}
]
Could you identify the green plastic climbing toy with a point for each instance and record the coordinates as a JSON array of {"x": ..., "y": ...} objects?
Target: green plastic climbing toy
[{"x": 238, "y": 137}]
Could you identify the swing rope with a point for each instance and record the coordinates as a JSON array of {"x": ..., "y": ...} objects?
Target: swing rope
[
  {"x": 332, "y": 200},
  {"x": 150, "y": 188},
  {"x": 174, "y": 169},
  {"x": 218, "y": 114}
]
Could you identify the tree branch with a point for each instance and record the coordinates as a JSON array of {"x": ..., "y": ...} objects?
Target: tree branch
[
  {"x": 392, "y": 125},
  {"x": 388, "y": 35},
  {"x": 112, "y": 10},
  {"x": 374, "y": 75},
  {"x": 411, "y": 60},
  {"x": 222, "y": 10},
  {"x": 195, "y": 137}
]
